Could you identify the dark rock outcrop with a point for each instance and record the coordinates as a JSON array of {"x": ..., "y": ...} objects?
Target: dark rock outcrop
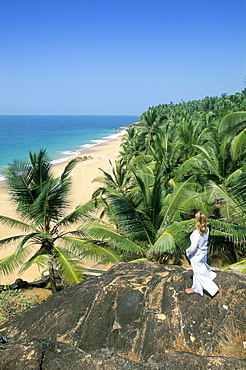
[
  {"x": 141, "y": 312},
  {"x": 42, "y": 282},
  {"x": 46, "y": 355}
]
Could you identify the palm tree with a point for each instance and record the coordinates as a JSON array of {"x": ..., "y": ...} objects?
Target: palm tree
[
  {"x": 149, "y": 125},
  {"x": 41, "y": 202},
  {"x": 225, "y": 158},
  {"x": 133, "y": 143},
  {"x": 189, "y": 144},
  {"x": 118, "y": 180},
  {"x": 229, "y": 220},
  {"x": 233, "y": 126},
  {"x": 146, "y": 219}
]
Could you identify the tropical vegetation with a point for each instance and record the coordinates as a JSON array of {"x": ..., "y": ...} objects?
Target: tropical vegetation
[
  {"x": 179, "y": 158},
  {"x": 45, "y": 238}
]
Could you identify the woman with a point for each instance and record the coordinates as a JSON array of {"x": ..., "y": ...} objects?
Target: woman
[{"x": 197, "y": 252}]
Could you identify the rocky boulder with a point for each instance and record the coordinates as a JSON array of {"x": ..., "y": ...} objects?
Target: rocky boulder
[
  {"x": 46, "y": 355},
  {"x": 139, "y": 311}
]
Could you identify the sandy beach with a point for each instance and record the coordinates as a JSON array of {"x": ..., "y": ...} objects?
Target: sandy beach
[{"x": 82, "y": 189}]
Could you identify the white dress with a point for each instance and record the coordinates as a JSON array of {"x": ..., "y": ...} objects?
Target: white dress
[{"x": 202, "y": 275}]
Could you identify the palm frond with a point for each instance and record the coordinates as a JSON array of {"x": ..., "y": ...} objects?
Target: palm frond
[
  {"x": 230, "y": 208},
  {"x": 11, "y": 239},
  {"x": 211, "y": 158},
  {"x": 103, "y": 232},
  {"x": 235, "y": 233},
  {"x": 107, "y": 179},
  {"x": 26, "y": 180},
  {"x": 26, "y": 238},
  {"x": 239, "y": 190},
  {"x": 19, "y": 177},
  {"x": 79, "y": 213},
  {"x": 156, "y": 201},
  {"x": 145, "y": 179},
  {"x": 190, "y": 166},
  {"x": 16, "y": 223},
  {"x": 13, "y": 261},
  {"x": 69, "y": 167},
  {"x": 239, "y": 266},
  {"x": 238, "y": 145},
  {"x": 139, "y": 260},
  {"x": 175, "y": 236},
  {"x": 96, "y": 248},
  {"x": 134, "y": 223},
  {"x": 173, "y": 202},
  {"x": 40, "y": 170},
  {"x": 165, "y": 243},
  {"x": 51, "y": 202},
  {"x": 232, "y": 122},
  {"x": 234, "y": 177},
  {"x": 40, "y": 259},
  {"x": 69, "y": 267}
]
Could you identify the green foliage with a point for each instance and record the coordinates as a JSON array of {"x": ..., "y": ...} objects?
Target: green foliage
[
  {"x": 179, "y": 159},
  {"x": 239, "y": 266},
  {"x": 47, "y": 239},
  {"x": 232, "y": 123}
]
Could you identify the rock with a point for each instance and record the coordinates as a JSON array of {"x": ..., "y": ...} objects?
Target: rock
[
  {"x": 46, "y": 355},
  {"x": 85, "y": 158},
  {"x": 139, "y": 311},
  {"x": 19, "y": 284},
  {"x": 192, "y": 361},
  {"x": 41, "y": 282}
]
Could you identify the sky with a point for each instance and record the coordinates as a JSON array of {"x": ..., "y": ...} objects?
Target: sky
[{"x": 73, "y": 57}]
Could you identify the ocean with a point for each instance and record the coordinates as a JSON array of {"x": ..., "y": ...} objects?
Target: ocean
[{"x": 61, "y": 136}]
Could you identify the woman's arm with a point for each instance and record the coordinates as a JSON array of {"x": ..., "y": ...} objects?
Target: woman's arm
[{"x": 193, "y": 247}]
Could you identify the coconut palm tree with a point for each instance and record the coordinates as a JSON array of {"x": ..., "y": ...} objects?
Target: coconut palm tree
[
  {"x": 147, "y": 218},
  {"x": 193, "y": 144},
  {"x": 225, "y": 158},
  {"x": 132, "y": 143},
  {"x": 228, "y": 222},
  {"x": 41, "y": 203},
  {"x": 150, "y": 124}
]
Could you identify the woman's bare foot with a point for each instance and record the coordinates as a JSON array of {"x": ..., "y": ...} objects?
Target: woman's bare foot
[{"x": 189, "y": 291}]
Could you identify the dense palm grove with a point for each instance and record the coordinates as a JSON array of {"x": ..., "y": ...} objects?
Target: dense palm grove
[{"x": 178, "y": 159}]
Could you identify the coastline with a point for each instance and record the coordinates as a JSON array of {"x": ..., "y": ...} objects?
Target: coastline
[
  {"x": 65, "y": 156},
  {"x": 81, "y": 191}
]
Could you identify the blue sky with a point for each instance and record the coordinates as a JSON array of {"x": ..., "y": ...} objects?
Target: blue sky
[{"x": 118, "y": 56}]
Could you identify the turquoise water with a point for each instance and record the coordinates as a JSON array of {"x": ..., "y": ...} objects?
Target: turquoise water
[{"x": 61, "y": 136}]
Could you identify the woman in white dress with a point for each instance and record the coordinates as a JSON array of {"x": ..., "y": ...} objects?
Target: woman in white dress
[{"x": 197, "y": 252}]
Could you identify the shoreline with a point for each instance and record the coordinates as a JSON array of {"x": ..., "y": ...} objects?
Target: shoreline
[
  {"x": 85, "y": 149},
  {"x": 82, "y": 188},
  {"x": 64, "y": 161}
]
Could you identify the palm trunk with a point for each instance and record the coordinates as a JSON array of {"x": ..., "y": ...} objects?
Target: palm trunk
[{"x": 52, "y": 278}]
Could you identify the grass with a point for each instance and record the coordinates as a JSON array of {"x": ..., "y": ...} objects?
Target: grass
[
  {"x": 13, "y": 302},
  {"x": 232, "y": 338}
]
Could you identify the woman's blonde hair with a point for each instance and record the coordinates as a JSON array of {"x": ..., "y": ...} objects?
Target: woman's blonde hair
[{"x": 201, "y": 222}]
